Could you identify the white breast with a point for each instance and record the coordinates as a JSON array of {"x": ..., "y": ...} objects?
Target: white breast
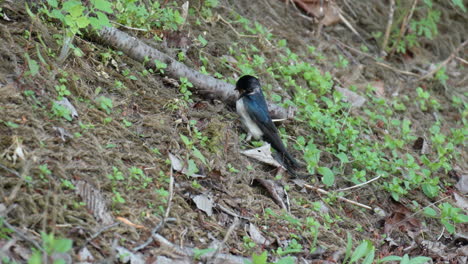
[{"x": 253, "y": 129}]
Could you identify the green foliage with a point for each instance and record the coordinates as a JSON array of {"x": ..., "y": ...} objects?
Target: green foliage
[
  {"x": 449, "y": 216},
  {"x": 406, "y": 259},
  {"x": 51, "y": 245},
  {"x": 198, "y": 253},
  {"x": 105, "y": 103},
  {"x": 135, "y": 13},
  {"x": 61, "y": 111}
]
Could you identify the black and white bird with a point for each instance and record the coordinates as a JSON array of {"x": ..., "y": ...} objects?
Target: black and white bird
[{"x": 253, "y": 110}]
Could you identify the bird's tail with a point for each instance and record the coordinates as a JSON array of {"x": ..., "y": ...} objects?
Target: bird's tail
[{"x": 288, "y": 161}]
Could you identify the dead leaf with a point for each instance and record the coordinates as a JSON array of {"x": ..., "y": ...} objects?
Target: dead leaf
[
  {"x": 94, "y": 200},
  {"x": 327, "y": 12},
  {"x": 166, "y": 260},
  {"x": 421, "y": 145},
  {"x": 351, "y": 97},
  {"x": 129, "y": 223},
  {"x": 276, "y": 191},
  {"x": 401, "y": 218},
  {"x": 126, "y": 256},
  {"x": 181, "y": 167},
  {"x": 262, "y": 154},
  {"x": 204, "y": 203},
  {"x": 85, "y": 256},
  {"x": 64, "y": 135},
  {"x": 460, "y": 201},
  {"x": 462, "y": 184},
  {"x": 257, "y": 236}
]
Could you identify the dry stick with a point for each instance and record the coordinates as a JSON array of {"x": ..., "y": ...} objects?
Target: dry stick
[
  {"x": 338, "y": 197},
  {"x": 10, "y": 170},
  {"x": 454, "y": 53},
  {"x": 376, "y": 62},
  {"x": 359, "y": 185},
  {"x": 23, "y": 236},
  {"x": 403, "y": 26},
  {"x": 100, "y": 231},
  {"x": 226, "y": 237},
  {"x": 389, "y": 27},
  {"x": 206, "y": 85},
  {"x": 165, "y": 217}
]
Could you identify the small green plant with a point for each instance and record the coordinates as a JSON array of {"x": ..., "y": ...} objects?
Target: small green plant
[
  {"x": 51, "y": 245},
  {"x": 160, "y": 66},
  {"x": 61, "y": 111},
  {"x": 248, "y": 243},
  {"x": 185, "y": 85},
  {"x": 449, "y": 216},
  {"x": 4, "y": 231},
  {"x": 406, "y": 259},
  {"x": 105, "y": 103},
  {"x": 198, "y": 253}
]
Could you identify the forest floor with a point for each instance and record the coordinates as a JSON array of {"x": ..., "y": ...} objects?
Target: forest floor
[{"x": 104, "y": 177}]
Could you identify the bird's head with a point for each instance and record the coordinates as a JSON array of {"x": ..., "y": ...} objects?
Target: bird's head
[{"x": 247, "y": 84}]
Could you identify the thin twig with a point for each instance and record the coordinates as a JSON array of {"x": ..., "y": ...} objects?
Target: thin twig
[
  {"x": 376, "y": 59},
  {"x": 235, "y": 31},
  {"x": 403, "y": 26},
  {"x": 396, "y": 70},
  {"x": 10, "y": 170},
  {"x": 454, "y": 53},
  {"x": 338, "y": 197},
  {"x": 389, "y": 27},
  {"x": 359, "y": 185},
  {"x": 165, "y": 217},
  {"x": 100, "y": 231},
  {"x": 22, "y": 235},
  {"x": 226, "y": 237}
]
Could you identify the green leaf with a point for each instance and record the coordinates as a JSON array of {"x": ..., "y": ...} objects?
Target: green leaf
[
  {"x": 391, "y": 258},
  {"x": 362, "y": 250},
  {"x": 103, "y": 5},
  {"x": 430, "y": 212},
  {"x": 260, "y": 259},
  {"x": 199, "y": 155},
  {"x": 343, "y": 157},
  {"x": 76, "y": 11},
  {"x": 192, "y": 168},
  {"x": 82, "y": 22},
  {"x": 202, "y": 40},
  {"x": 286, "y": 260},
  {"x": 200, "y": 252},
  {"x": 459, "y": 3},
  {"x": 36, "y": 258},
  {"x": 450, "y": 228},
  {"x": 186, "y": 140},
  {"x": 328, "y": 176},
  {"x": 63, "y": 245},
  {"x": 52, "y": 3},
  {"x": 33, "y": 65},
  {"x": 460, "y": 218},
  {"x": 419, "y": 260}
]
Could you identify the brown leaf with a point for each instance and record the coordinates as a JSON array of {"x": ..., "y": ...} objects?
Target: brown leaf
[{"x": 325, "y": 11}]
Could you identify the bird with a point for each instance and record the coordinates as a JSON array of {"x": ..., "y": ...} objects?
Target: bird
[{"x": 253, "y": 110}]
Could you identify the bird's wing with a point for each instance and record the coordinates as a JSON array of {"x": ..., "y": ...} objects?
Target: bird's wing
[{"x": 257, "y": 109}]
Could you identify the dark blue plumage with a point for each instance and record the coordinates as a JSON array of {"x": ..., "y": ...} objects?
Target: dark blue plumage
[{"x": 252, "y": 108}]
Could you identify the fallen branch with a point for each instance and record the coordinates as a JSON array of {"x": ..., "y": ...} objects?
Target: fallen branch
[{"x": 206, "y": 85}]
